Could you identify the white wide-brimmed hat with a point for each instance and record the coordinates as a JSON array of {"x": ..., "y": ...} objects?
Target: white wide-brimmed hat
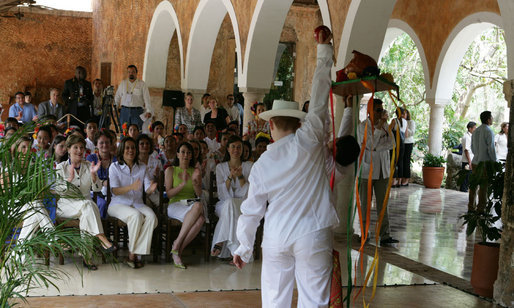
[{"x": 283, "y": 109}]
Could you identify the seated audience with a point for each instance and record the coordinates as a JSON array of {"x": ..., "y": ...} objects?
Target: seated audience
[
  {"x": 188, "y": 115},
  {"x": 183, "y": 186},
  {"x": 149, "y": 158},
  {"x": 44, "y": 138},
  {"x": 217, "y": 115},
  {"x": 261, "y": 144},
  {"x": 157, "y": 134},
  {"x": 127, "y": 179},
  {"x": 83, "y": 175},
  {"x": 211, "y": 132},
  {"x": 247, "y": 151},
  {"x": 256, "y": 125},
  {"x": 21, "y": 111},
  {"x": 133, "y": 131},
  {"x": 199, "y": 133},
  {"x": 104, "y": 157},
  {"x": 91, "y": 130},
  {"x": 232, "y": 182},
  {"x": 58, "y": 150},
  {"x": 52, "y": 107},
  {"x": 170, "y": 151}
]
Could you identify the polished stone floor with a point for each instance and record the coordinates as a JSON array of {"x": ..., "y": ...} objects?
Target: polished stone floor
[
  {"x": 433, "y": 248},
  {"x": 426, "y": 222}
]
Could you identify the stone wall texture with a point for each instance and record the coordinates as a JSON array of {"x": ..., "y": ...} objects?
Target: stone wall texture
[{"x": 41, "y": 51}]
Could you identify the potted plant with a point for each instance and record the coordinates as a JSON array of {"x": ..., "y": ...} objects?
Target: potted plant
[
  {"x": 433, "y": 170},
  {"x": 486, "y": 252},
  {"x": 26, "y": 178}
]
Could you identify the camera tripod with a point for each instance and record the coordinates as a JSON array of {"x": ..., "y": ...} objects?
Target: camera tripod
[{"x": 109, "y": 111}]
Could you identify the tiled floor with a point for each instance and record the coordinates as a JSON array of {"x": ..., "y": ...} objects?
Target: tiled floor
[{"x": 424, "y": 220}]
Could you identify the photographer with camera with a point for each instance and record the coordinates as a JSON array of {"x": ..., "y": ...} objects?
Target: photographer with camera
[
  {"x": 133, "y": 97},
  {"x": 78, "y": 96}
]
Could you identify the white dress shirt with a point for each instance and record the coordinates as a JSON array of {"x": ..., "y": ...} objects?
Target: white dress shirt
[
  {"x": 236, "y": 190},
  {"x": 482, "y": 144},
  {"x": 82, "y": 179},
  {"x": 411, "y": 129},
  {"x": 121, "y": 175},
  {"x": 90, "y": 145},
  {"x": 378, "y": 145},
  {"x": 212, "y": 144},
  {"x": 466, "y": 145},
  {"x": 291, "y": 176},
  {"x": 500, "y": 143},
  {"x": 133, "y": 94},
  {"x": 233, "y": 113}
]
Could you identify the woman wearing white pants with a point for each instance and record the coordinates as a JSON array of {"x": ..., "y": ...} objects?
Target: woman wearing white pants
[
  {"x": 232, "y": 182},
  {"x": 83, "y": 175},
  {"x": 126, "y": 177}
]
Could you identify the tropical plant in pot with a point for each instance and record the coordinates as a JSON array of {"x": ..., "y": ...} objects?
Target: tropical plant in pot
[
  {"x": 27, "y": 178},
  {"x": 489, "y": 175},
  {"x": 433, "y": 170}
]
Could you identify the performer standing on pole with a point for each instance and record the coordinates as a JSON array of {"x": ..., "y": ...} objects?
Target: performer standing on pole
[{"x": 291, "y": 177}]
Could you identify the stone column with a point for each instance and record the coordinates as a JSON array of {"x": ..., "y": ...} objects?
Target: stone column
[
  {"x": 251, "y": 95},
  {"x": 504, "y": 285},
  {"x": 435, "y": 131}
]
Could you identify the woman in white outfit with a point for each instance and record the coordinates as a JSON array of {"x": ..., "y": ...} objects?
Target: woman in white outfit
[
  {"x": 500, "y": 142},
  {"x": 150, "y": 158},
  {"x": 82, "y": 174},
  {"x": 127, "y": 177},
  {"x": 36, "y": 216},
  {"x": 184, "y": 186},
  {"x": 232, "y": 182}
]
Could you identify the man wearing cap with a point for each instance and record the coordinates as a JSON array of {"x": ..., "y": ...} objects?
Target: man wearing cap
[
  {"x": 22, "y": 111},
  {"x": 291, "y": 177}
]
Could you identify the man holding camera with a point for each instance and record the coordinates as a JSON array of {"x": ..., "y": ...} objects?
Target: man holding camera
[
  {"x": 78, "y": 96},
  {"x": 133, "y": 97}
]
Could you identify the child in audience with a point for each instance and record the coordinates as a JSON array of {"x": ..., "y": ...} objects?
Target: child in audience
[
  {"x": 157, "y": 134},
  {"x": 261, "y": 144},
  {"x": 133, "y": 131},
  {"x": 90, "y": 130}
]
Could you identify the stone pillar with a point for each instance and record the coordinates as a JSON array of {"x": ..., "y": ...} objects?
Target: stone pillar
[
  {"x": 435, "y": 131},
  {"x": 504, "y": 285},
  {"x": 251, "y": 95}
]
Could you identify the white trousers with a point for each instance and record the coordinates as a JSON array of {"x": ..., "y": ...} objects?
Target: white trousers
[
  {"x": 309, "y": 260},
  {"x": 36, "y": 216},
  {"x": 85, "y": 210},
  {"x": 141, "y": 222},
  {"x": 228, "y": 211}
]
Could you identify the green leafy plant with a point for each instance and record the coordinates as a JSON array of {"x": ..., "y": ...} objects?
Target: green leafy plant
[
  {"x": 27, "y": 179},
  {"x": 491, "y": 174},
  {"x": 431, "y": 160}
]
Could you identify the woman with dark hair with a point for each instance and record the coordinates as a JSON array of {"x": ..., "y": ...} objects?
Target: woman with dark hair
[
  {"x": 305, "y": 107},
  {"x": 261, "y": 145},
  {"x": 184, "y": 187},
  {"x": 83, "y": 174},
  {"x": 102, "y": 142},
  {"x": 157, "y": 134},
  {"x": 256, "y": 125},
  {"x": 58, "y": 150},
  {"x": 133, "y": 131},
  {"x": 127, "y": 178},
  {"x": 247, "y": 151},
  {"x": 148, "y": 157},
  {"x": 232, "y": 182},
  {"x": 500, "y": 142},
  {"x": 409, "y": 146},
  {"x": 399, "y": 124},
  {"x": 218, "y": 115},
  {"x": 169, "y": 154}
]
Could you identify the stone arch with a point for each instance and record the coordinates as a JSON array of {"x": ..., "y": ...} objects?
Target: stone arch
[
  {"x": 204, "y": 30},
  {"x": 454, "y": 49},
  {"x": 162, "y": 27},
  {"x": 364, "y": 28},
  {"x": 397, "y": 27},
  {"x": 261, "y": 47}
]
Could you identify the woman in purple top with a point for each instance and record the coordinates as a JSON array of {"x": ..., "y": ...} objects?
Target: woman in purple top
[{"x": 103, "y": 143}]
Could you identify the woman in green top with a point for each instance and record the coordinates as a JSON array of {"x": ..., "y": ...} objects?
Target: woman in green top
[{"x": 183, "y": 184}]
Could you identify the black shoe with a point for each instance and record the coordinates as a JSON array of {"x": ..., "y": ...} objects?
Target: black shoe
[
  {"x": 89, "y": 266},
  {"x": 388, "y": 241},
  {"x": 111, "y": 249}
]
